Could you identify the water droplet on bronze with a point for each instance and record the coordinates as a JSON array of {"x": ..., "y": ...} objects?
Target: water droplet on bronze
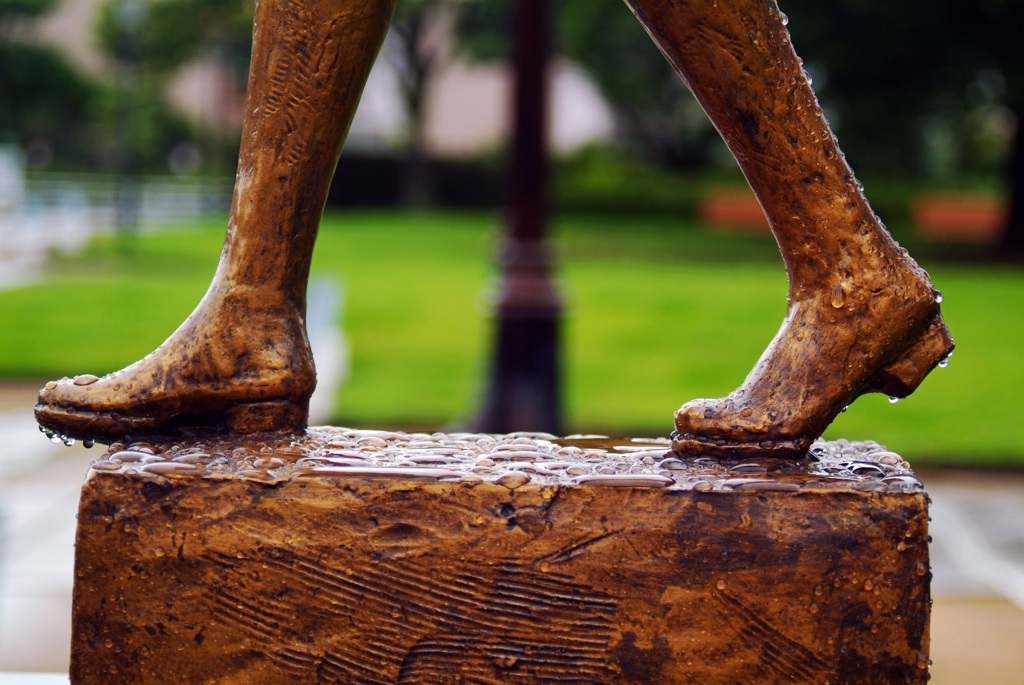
[{"x": 513, "y": 480}]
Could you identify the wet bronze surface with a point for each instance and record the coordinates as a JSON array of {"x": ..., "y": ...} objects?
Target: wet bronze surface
[
  {"x": 241, "y": 361},
  {"x": 862, "y": 316},
  {"x": 382, "y": 557},
  {"x": 511, "y": 460}
]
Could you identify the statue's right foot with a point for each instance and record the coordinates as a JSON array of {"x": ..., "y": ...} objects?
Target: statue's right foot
[
  {"x": 885, "y": 338},
  {"x": 240, "y": 372}
]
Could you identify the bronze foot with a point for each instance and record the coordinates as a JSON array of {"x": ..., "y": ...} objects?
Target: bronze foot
[
  {"x": 862, "y": 315},
  {"x": 210, "y": 375},
  {"x": 876, "y": 343},
  {"x": 241, "y": 362}
]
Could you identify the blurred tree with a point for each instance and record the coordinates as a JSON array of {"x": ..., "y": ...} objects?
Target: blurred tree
[
  {"x": 44, "y": 102},
  {"x": 161, "y": 35},
  {"x": 657, "y": 116},
  {"x": 873, "y": 68},
  {"x": 14, "y": 12},
  {"x": 922, "y": 88},
  {"x": 418, "y": 34},
  {"x": 169, "y": 33},
  {"x": 994, "y": 28},
  {"x": 914, "y": 89},
  {"x": 149, "y": 40}
]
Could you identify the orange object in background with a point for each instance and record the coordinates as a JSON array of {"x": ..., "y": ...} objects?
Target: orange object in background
[
  {"x": 734, "y": 209},
  {"x": 940, "y": 217},
  {"x": 960, "y": 218}
]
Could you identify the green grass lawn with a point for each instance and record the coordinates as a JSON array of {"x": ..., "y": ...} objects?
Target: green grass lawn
[{"x": 657, "y": 313}]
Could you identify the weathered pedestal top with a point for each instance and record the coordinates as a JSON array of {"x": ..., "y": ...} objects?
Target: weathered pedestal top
[{"x": 512, "y": 460}]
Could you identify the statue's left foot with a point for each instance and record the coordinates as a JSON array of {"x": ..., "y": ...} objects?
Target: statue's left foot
[
  {"x": 821, "y": 360},
  {"x": 243, "y": 367}
]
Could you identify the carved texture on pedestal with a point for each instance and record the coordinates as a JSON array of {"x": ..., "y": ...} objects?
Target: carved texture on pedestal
[{"x": 482, "y": 620}]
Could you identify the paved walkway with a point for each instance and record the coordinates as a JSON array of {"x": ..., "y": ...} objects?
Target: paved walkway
[
  {"x": 977, "y": 558},
  {"x": 977, "y": 554}
]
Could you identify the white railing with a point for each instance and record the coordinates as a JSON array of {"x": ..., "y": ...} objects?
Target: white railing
[
  {"x": 46, "y": 212},
  {"x": 152, "y": 201}
]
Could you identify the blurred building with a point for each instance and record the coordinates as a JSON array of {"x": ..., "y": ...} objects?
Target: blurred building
[{"x": 467, "y": 104}]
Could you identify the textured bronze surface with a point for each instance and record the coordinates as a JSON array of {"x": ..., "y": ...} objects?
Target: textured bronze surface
[
  {"x": 241, "y": 361},
  {"x": 381, "y": 557},
  {"x": 862, "y": 317}
]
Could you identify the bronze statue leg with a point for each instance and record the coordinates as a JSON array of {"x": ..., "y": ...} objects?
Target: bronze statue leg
[
  {"x": 862, "y": 316},
  {"x": 241, "y": 361}
]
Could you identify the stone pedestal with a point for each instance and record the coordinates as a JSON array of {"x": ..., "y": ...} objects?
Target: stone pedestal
[{"x": 373, "y": 557}]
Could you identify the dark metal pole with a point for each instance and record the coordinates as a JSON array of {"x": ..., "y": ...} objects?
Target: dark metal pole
[{"x": 523, "y": 391}]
